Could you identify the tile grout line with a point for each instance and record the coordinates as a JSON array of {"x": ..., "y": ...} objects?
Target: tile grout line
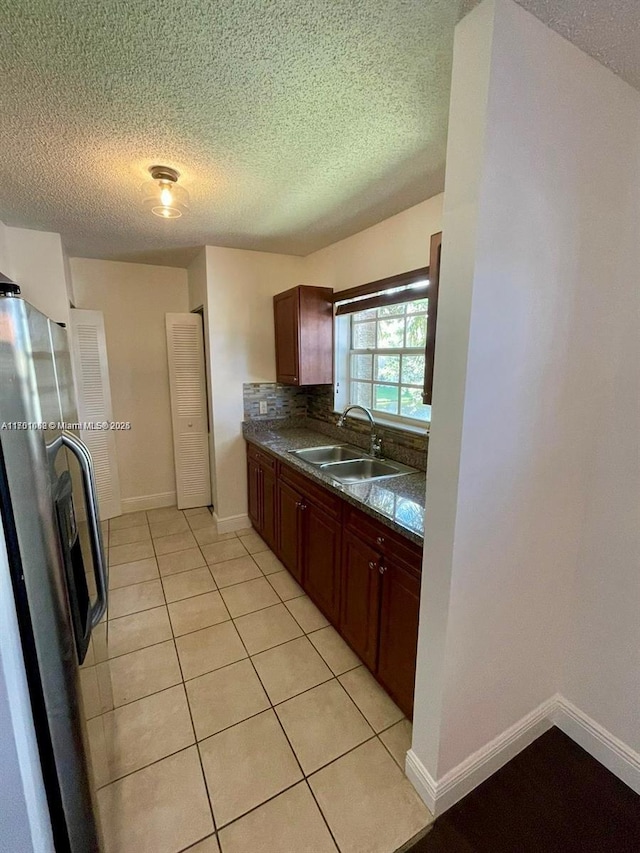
[
  {"x": 193, "y": 728},
  {"x": 160, "y": 642},
  {"x": 206, "y": 627},
  {"x": 184, "y": 687},
  {"x": 155, "y": 760},
  {"x": 334, "y": 676},
  {"x": 195, "y": 595},
  {"x": 218, "y": 669},
  {"x": 387, "y": 748},
  {"x": 264, "y": 803},
  {"x": 304, "y": 778},
  {"x": 161, "y": 577}
]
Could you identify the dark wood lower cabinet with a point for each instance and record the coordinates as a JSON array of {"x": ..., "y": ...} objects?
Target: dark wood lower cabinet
[
  {"x": 269, "y": 502},
  {"x": 364, "y": 576},
  {"x": 399, "y": 610},
  {"x": 289, "y": 538},
  {"x": 360, "y": 600},
  {"x": 321, "y": 559},
  {"x": 261, "y": 477},
  {"x": 253, "y": 474}
]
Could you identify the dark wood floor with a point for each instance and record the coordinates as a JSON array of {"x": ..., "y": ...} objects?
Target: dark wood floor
[{"x": 551, "y": 798}]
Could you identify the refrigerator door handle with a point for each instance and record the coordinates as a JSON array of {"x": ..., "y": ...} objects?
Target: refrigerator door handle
[{"x": 82, "y": 454}]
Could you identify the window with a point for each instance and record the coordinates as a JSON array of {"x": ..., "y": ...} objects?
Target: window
[
  {"x": 386, "y": 359},
  {"x": 380, "y": 352}
]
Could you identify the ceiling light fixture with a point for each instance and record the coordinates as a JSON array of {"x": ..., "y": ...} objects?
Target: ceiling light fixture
[{"x": 162, "y": 195}]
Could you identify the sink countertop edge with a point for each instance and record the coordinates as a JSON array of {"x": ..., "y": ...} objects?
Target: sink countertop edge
[{"x": 409, "y": 487}]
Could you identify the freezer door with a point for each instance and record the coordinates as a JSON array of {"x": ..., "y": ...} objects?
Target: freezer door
[{"x": 30, "y": 477}]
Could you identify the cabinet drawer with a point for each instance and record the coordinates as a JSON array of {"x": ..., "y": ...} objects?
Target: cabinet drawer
[
  {"x": 261, "y": 457},
  {"x": 313, "y": 492},
  {"x": 383, "y": 539}
]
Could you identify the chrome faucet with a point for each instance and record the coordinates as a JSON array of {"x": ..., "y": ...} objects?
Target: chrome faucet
[{"x": 375, "y": 443}]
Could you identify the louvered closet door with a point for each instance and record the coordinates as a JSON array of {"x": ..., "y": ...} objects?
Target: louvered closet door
[
  {"x": 185, "y": 349},
  {"x": 91, "y": 378}
]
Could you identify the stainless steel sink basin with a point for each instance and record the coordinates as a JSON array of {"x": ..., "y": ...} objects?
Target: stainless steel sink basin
[
  {"x": 331, "y": 453},
  {"x": 359, "y": 470},
  {"x": 346, "y": 464}
]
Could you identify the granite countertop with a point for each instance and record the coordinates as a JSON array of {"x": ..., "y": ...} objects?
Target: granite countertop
[{"x": 397, "y": 502}]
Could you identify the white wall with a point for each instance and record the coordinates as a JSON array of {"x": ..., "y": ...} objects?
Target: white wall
[
  {"x": 236, "y": 288},
  {"x": 395, "y": 245},
  {"x": 35, "y": 260},
  {"x": 530, "y": 582},
  {"x": 134, "y": 299},
  {"x": 602, "y": 668},
  {"x": 240, "y": 288}
]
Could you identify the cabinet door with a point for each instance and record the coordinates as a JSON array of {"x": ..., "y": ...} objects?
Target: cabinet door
[
  {"x": 286, "y": 315},
  {"x": 360, "y": 598},
  {"x": 289, "y": 528},
  {"x": 399, "y": 634},
  {"x": 268, "y": 489},
  {"x": 254, "y": 483},
  {"x": 321, "y": 559}
]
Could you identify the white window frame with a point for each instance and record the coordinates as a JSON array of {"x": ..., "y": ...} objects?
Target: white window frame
[{"x": 342, "y": 388}]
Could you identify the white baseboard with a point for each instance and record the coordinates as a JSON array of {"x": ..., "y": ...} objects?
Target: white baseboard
[
  {"x": 232, "y": 523},
  {"x": 616, "y": 756},
  {"x": 440, "y": 795},
  {"x": 422, "y": 781},
  {"x": 148, "y": 502},
  {"x": 606, "y": 748}
]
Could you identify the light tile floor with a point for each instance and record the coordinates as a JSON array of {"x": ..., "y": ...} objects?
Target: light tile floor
[{"x": 225, "y": 713}]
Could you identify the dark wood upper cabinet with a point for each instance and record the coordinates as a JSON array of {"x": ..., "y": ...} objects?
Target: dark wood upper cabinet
[
  {"x": 304, "y": 336},
  {"x": 287, "y": 321},
  {"x": 434, "y": 284}
]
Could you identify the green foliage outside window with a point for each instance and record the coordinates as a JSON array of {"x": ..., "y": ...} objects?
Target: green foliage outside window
[{"x": 387, "y": 359}]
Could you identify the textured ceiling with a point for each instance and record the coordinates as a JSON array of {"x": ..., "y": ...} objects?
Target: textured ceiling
[
  {"x": 294, "y": 123},
  {"x": 608, "y": 30}
]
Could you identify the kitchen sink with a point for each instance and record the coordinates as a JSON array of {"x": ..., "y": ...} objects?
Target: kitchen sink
[
  {"x": 331, "y": 453},
  {"x": 346, "y": 464},
  {"x": 358, "y": 470}
]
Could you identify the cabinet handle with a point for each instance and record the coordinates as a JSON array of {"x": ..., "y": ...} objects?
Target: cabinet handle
[
  {"x": 380, "y": 540},
  {"x": 372, "y": 565},
  {"x": 382, "y": 568}
]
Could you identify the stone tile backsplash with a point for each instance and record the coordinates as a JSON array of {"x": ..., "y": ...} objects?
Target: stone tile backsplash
[
  {"x": 315, "y": 403},
  {"x": 282, "y": 401},
  {"x": 395, "y": 441}
]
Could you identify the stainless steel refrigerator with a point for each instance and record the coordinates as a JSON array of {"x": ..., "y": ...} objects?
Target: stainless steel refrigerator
[{"x": 57, "y": 580}]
